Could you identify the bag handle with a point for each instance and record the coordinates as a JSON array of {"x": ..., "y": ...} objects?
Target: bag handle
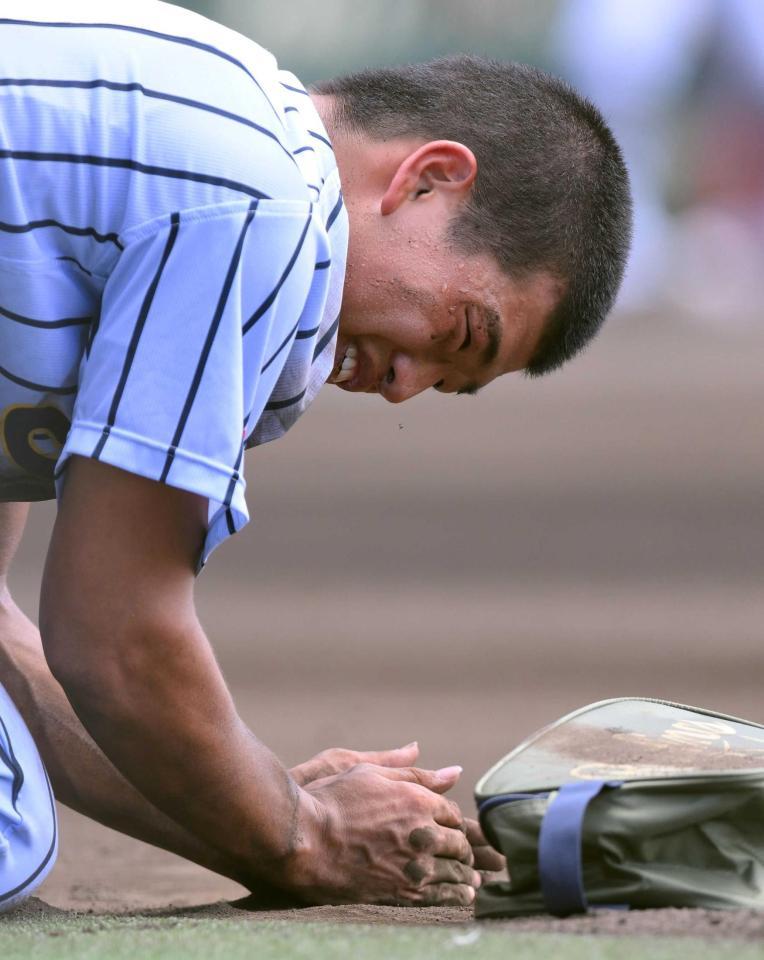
[{"x": 559, "y": 852}]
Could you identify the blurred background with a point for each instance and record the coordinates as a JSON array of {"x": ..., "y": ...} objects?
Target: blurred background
[{"x": 464, "y": 570}]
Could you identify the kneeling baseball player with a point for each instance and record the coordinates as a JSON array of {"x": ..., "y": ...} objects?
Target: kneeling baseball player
[{"x": 191, "y": 245}]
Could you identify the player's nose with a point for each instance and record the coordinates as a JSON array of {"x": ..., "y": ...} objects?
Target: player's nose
[{"x": 407, "y": 376}]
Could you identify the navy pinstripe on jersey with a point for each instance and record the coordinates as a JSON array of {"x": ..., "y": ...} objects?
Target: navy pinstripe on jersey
[{"x": 172, "y": 248}]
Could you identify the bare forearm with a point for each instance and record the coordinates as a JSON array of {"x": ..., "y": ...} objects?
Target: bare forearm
[
  {"x": 171, "y": 729},
  {"x": 83, "y": 778},
  {"x": 120, "y": 634}
]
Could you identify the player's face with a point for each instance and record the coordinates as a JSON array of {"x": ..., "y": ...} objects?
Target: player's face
[
  {"x": 417, "y": 312},
  {"x": 420, "y": 314}
]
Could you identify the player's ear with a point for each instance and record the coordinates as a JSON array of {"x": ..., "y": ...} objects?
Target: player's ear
[{"x": 437, "y": 165}]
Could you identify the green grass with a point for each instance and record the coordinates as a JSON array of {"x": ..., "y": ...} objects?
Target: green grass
[{"x": 187, "y": 938}]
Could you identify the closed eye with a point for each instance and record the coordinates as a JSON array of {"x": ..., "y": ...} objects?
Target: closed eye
[{"x": 468, "y": 335}]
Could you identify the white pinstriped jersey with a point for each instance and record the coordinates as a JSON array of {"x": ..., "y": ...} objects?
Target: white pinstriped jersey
[{"x": 172, "y": 248}]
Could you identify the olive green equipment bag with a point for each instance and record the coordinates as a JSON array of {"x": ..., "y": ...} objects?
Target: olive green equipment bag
[{"x": 628, "y": 803}]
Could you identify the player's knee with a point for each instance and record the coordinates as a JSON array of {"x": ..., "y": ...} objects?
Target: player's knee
[{"x": 28, "y": 828}]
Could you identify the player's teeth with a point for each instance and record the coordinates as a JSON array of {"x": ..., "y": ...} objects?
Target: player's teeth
[{"x": 348, "y": 365}]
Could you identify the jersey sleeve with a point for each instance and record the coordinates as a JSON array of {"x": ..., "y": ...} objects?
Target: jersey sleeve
[{"x": 197, "y": 320}]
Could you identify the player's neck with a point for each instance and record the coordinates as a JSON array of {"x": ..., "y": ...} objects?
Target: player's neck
[
  {"x": 324, "y": 104},
  {"x": 366, "y": 165}
]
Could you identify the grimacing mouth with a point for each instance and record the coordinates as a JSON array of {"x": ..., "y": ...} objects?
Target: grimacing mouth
[
  {"x": 357, "y": 372},
  {"x": 347, "y": 366}
]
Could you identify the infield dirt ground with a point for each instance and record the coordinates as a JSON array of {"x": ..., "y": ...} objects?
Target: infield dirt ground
[{"x": 462, "y": 571}]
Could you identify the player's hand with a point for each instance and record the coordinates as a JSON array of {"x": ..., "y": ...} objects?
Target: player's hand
[
  {"x": 338, "y": 759},
  {"x": 487, "y": 860},
  {"x": 385, "y": 835}
]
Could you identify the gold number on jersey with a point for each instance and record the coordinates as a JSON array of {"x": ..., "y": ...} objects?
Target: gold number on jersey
[{"x": 33, "y": 437}]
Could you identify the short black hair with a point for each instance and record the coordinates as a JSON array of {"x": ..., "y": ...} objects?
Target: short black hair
[{"x": 551, "y": 192}]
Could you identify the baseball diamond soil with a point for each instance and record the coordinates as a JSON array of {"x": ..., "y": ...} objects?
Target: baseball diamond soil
[{"x": 462, "y": 571}]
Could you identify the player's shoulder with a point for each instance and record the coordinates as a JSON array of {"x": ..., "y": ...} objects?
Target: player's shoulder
[
  {"x": 182, "y": 31},
  {"x": 157, "y": 15}
]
